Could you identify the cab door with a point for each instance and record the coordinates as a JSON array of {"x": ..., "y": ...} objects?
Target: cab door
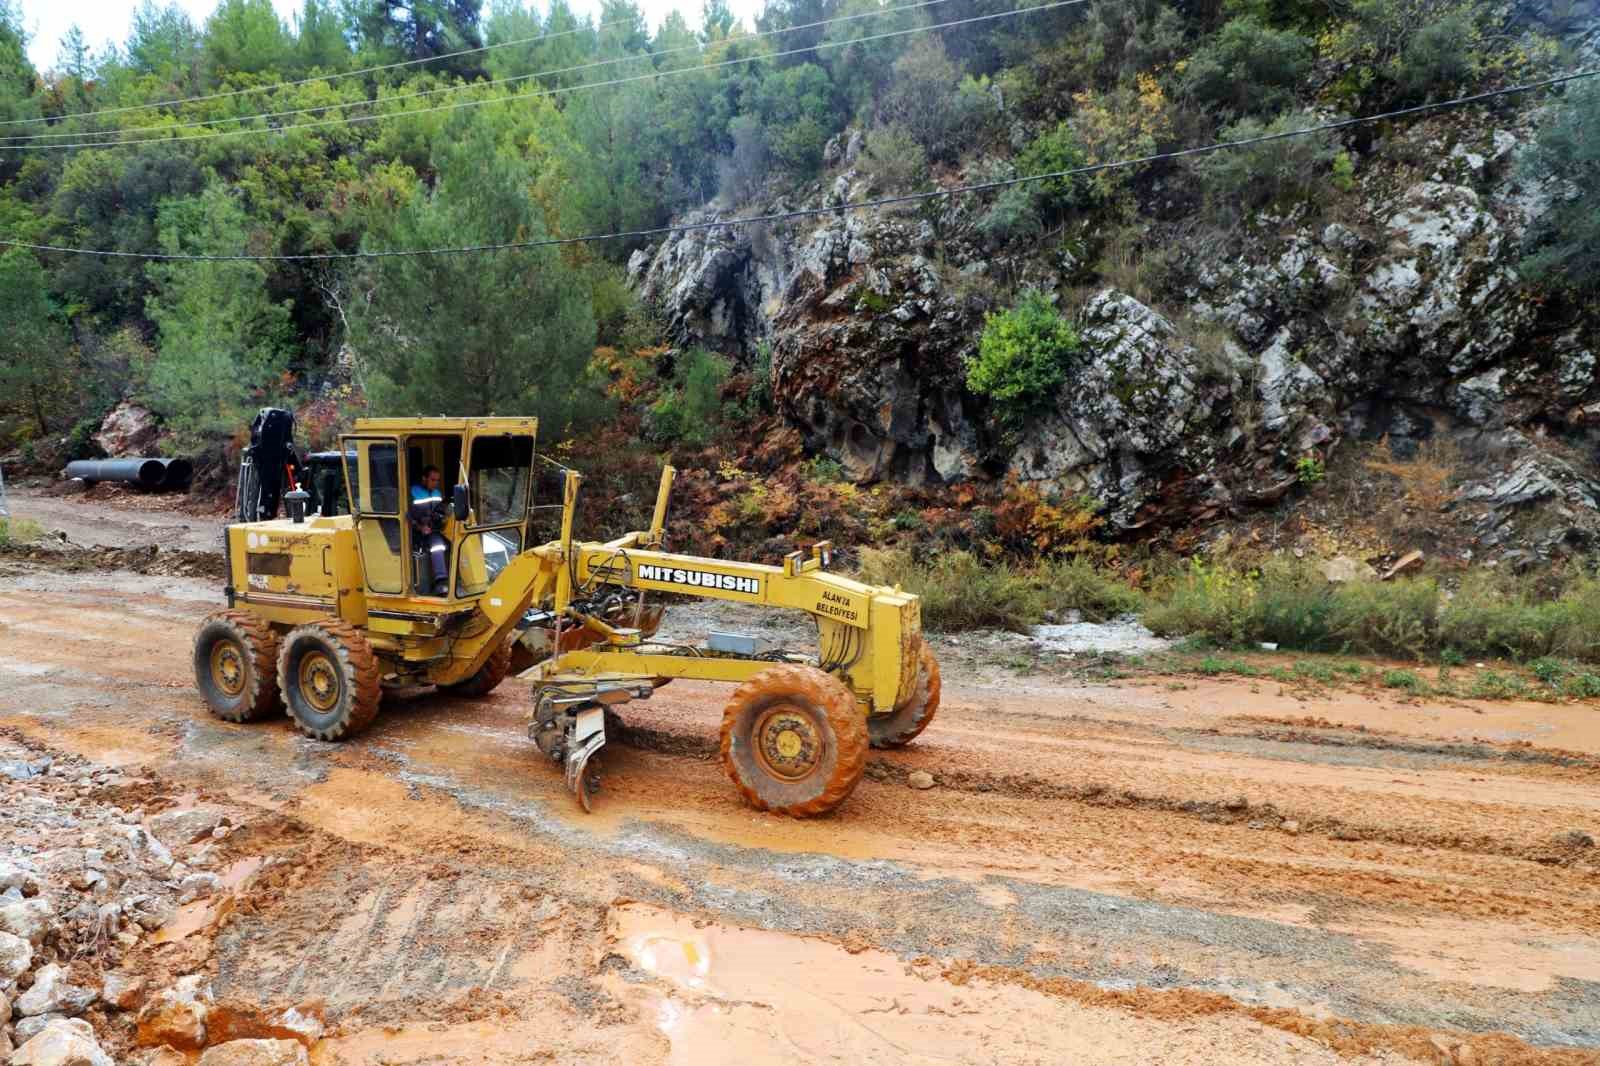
[
  {"x": 375, "y": 486},
  {"x": 500, "y": 484}
]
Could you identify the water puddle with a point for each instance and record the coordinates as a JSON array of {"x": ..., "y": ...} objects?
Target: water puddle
[
  {"x": 202, "y": 913},
  {"x": 724, "y": 994}
]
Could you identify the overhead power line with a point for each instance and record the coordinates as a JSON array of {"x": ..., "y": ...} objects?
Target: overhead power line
[
  {"x": 857, "y": 205},
  {"x": 560, "y": 90},
  {"x": 158, "y": 133},
  {"x": 336, "y": 76}
]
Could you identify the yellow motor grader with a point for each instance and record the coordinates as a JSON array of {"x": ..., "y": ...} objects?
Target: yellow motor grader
[{"x": 327, "y": 610}]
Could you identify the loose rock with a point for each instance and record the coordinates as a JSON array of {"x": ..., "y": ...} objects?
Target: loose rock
[
  {"x": 255, "y": 1053},
  {"x": 920, "y": 779},
  {"x": 64, "y": 1042},
  {"x": 16, "y": 956},
  {"x": 122, "y": 991},
  {"x": 1407, "y": 563},
  {"x": 28, "y": 918},
  {"x": 177, "y": 1016},
  {"x": 53, "y": 993}
]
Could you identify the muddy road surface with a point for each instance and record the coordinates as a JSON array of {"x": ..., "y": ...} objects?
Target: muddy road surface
[{"x": 1100, "y": 873}]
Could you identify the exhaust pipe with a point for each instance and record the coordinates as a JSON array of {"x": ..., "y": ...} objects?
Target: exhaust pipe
[{"x": 145, "y": 473}]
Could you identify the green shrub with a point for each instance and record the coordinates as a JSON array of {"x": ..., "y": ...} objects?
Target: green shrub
[
  {"x": 893, "y": 159},
  {"x": 1022, "y": 359},
  {"x": 1013, "y": 216},
  {"x": 690, "y": 408},
  {"x": 908, "y": 521},
  {"x": 19, "y": 531},
  {"x": 1079, "y": 585},
  {"x": 1212, "y": 666},
  {"x": 1584, "y": 686},
  {"x": 958, "y": 591},
  {"x": 1564, "y": 242},
  {"x": 929, "y": 98},
  {"x": 1493, "y": 685},
  {"x": 1494, "y": 616},
  {"x": 824, "y": 470},
  {"x": 1240, "y": 180},
  {"x": 1058, "y": 149},
  {"x": 1405, "y": 680},
  {"x": 1309, "y": 470},
  {"x": 1248, "y": 68},
  {"x": 1215, "y": 603}
]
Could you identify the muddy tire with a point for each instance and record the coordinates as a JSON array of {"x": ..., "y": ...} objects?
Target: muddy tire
[
  {"x": 794, "y": 741},
  {"x": 235, "y": 666},
  {"x": 900, "y": 726},
  {"x": 329, "y": 679},
  {"x": 489, "y": 675}
]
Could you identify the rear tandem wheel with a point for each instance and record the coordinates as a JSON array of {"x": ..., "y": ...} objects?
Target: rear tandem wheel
[
  {"x": 235, "y": 666},
  {"x": 330, "y": 680}
]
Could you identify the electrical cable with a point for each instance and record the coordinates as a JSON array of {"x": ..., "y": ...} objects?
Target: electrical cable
[
  {"x": 812, "y": 212},
  {"x": 22, "y": 140},
  {"x": 562, "y": 90},
  {"x": 178, "y": 101},
  {"x": 558, "y": 91}
]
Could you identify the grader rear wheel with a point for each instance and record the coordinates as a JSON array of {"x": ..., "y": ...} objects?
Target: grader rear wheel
[
  {"x": 234, "y": 666},
  {"x": 900, "y": 726},
  {"x": 488, "y": 676},
  {"x": 329, "y": 677},
  {"x": 794, "y": 741}
]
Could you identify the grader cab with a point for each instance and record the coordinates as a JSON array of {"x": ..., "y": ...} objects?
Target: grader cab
[{"x": 327, "y": 610}]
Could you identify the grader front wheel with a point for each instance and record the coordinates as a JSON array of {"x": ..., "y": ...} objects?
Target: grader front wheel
[
  {"x": 900, "y": 726},
  {"x": 329, "y": 679},
  {"x": 794, "y": 741},
  {"x": 234, "y": 666}
]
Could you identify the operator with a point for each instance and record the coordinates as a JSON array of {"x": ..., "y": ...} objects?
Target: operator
[{"x": 427, "y": 521}]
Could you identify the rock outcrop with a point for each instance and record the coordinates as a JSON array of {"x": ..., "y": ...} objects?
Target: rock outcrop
[{"x": 1396, "y": 313}]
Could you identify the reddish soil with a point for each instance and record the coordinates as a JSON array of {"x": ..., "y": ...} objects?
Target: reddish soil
[{"x": 1102, "y": 873}]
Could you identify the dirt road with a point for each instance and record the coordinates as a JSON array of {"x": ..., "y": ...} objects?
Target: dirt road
[{"x": 1102, "y": 873}]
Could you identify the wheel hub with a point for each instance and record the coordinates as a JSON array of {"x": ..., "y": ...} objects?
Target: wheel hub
[
  {"x": 227, "y": 668},
  {"x": 319, "y": 681},
  {"x": 788, "y": 743}
]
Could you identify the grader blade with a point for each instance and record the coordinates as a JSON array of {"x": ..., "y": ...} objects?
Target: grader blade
[{"x": 588, "y": 737}]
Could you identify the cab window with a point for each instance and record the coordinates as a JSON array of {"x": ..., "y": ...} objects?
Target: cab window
[{"x": 501, "y": 470}]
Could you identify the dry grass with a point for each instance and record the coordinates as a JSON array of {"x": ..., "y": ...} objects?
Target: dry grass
[{"x": 1426, "y": 478}]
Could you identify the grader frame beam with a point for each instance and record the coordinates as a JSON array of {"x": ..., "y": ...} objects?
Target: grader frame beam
[{"x": 860, "y": 628}]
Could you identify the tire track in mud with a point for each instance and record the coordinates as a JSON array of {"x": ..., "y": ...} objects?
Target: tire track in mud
[
  {"x": 989, "y": 870},
  {"x": 1556, "y": 851}
]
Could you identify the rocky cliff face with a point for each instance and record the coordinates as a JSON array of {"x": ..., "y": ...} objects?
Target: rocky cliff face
[{"x": 1393, "y": 310}]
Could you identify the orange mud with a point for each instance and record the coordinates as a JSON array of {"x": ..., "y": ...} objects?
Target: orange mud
[{"x": 1102, "y": 873}]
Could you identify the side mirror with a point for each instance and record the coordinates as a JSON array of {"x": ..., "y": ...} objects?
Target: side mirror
[{"x": 459, "y": 503}]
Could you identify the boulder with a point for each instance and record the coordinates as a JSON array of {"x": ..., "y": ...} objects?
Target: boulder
[
  {"x": 16, "y": 957},
  {"x": 122, "y": 991},
  {"x": 5, "y": 1010},
  {"x": 64, "y": 1042},
  {"x": 28, "y": 1028},
  {"x": 1408, "y": 563},
  {"x": 255, "y": 1053},
  {"x": 185, "y": 825},
  {"x": 129, "y": 429},
  {"x": 1342, "y": 569},
  {"x": 53, "y": 993},
  {"x": 22, "y": 878},
  {"x": 177, "y": 1016},
  {"x": 29, "y": 919}
]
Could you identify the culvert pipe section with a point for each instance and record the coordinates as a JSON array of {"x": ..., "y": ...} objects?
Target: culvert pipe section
[{"x": 146, "y": 473}]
